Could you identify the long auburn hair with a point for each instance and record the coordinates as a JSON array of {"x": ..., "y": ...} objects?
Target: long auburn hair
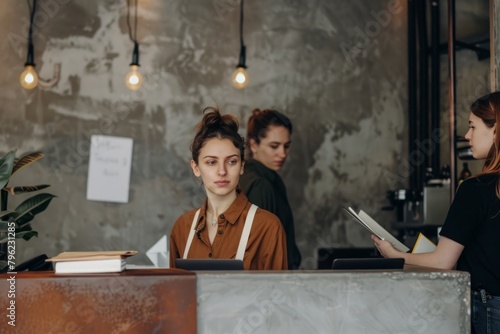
[{"x": 487, "y": 108}]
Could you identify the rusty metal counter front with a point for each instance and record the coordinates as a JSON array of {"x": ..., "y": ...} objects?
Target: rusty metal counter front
[{"x": 133, "y": 301}]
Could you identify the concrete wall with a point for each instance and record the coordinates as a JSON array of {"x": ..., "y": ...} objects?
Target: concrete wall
[{"x": 338, "y": 69}]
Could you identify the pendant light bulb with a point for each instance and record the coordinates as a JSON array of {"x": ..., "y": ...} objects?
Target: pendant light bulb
[
  {"x": 134, "y": 78},
  {"x": 29, "y": 78},
  {"x": 240, "y": 78}
]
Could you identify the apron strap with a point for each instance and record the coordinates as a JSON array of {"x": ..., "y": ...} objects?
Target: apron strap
[
  {"x": 246, "y": 232},
  {"x": 191, "y": 234},
  {"x": 244, "y": 236}
]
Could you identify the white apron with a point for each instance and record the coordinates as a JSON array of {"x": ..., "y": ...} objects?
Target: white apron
[{"x": 244, "y": 236}]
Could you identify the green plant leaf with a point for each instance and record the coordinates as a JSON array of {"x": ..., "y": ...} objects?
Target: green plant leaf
[
  {"x": 32, "y": 206},
  {"x": 27, "y": 235},
  {"x": 3, "y": 266},
  {"x": 6, "y": 166},
  {"x": 25, "y": 219},
  {"x": 25, "y": 189},
  {"x": 5, "y": 215},
  {"x": 5, "y": 225},
  {"x": 29, "y": 208},
  {"x": 27, "y": 160},
  {"x": 25, "y": 227}
]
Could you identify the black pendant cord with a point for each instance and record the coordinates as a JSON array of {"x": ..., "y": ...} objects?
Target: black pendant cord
[
  {"x": 31, "y": 52},
  {"x": 242, "y": 60},
  {"x": 241, "y": 23},
  {"x": 133, "y": 37}
]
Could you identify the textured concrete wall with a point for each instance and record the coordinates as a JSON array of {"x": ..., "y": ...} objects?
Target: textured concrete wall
[{"x": 338, "y": 69}]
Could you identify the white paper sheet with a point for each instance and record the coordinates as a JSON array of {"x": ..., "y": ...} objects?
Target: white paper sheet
[
  {"x": 423, "y": 245},
  {"x": 109, "y": 169},
  {"x": 158, "y": 253}
]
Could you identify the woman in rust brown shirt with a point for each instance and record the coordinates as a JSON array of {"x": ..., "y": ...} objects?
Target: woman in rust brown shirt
[{"x": 217, "y": 229}]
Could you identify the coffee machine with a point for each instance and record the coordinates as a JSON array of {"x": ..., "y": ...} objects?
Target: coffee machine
[
  {"x": 408, "y": 205},
  {"x": 420, "y": 210}
]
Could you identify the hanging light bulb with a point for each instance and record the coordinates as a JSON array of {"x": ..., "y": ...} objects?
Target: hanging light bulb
[
  {"x": 134, "y": 78},
  {"x": 239, "y": 79},
  {"x": 29, "y": 77}
]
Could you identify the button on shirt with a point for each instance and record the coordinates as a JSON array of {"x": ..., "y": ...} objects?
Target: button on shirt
[{"x": 266, "y": 247}]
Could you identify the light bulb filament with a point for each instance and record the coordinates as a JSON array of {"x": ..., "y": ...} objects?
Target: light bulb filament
[
  {"x": 240, "y": 78},
  {"x": 29, "y": 78},
  {"x": 134, "y": 79}
]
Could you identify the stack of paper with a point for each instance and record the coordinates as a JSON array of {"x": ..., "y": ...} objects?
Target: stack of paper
[{"x": 90, "y": 262}]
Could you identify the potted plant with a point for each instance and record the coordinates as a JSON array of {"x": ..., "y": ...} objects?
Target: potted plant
[{"x": 16, "y": 224}]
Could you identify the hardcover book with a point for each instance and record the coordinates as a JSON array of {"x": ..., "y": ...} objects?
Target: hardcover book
[{"x": 90, "y": 262}]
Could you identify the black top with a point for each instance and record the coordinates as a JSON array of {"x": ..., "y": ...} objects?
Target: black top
[
  {"x": 265, "y": 188},
  {"x": 474, "y": 222}
]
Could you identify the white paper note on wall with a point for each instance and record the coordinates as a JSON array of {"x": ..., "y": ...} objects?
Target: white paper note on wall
[{"x": 109, "y": 169}]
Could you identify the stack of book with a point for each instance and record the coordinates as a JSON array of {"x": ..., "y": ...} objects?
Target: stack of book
[{"x": 90, "y": 262}]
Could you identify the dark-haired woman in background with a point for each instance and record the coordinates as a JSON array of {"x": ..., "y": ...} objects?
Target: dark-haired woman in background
[
  {"x": 268, "y": 140},
  {"x": 227, "y": 226}
]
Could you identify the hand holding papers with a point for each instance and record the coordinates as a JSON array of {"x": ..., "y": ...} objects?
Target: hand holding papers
[{"x": 371, "y": 225}]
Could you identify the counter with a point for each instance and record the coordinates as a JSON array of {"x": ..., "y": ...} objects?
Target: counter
[
  {"x": 414, "y": 300},
  {"x": 411, "y": 301}
]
